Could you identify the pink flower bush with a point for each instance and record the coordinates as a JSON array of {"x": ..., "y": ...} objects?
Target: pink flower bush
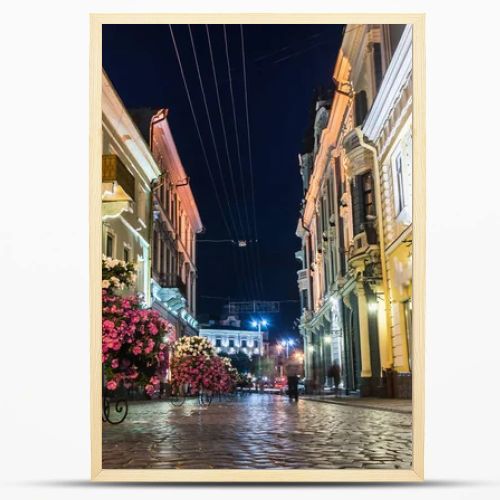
[
  {"x": 111, "y": 385},
  {"x": 195, "y": 364},
  {"x": 134, "y": 343}
]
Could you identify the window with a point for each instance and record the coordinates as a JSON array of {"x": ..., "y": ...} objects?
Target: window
[
  {"x": 156, "y": 249},
  {"x": 244, "y": 343},
  {"x": 109, "y": 244},
  {"x": 360, "y": 107},
  {"x": 395, "y": 33},
  {"x": 126, "y": 254},
  {"x": 141, "y": 205},
  {"x": 174, "y": 210},
  {"x": 256, "y": 343},
  {"x": 399, "y": 195},
  {"x": 368, "y": 201},
  {"x": 231, "y": 342},
  {"x": 377, "y": 64},
  {"x": 357, "y": 196},
  {"x": 162, "y": 194},
  {"x": 218, "y": 342},
  {"x": 162, "y": 257}
]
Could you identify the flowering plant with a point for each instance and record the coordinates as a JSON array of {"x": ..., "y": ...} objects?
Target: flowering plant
[
  {"x": 193, "y": 346},
  {"x": 195, "y": 363},
  {"x": 117, "y": 274},
  {"x": 134, "y": 343}
]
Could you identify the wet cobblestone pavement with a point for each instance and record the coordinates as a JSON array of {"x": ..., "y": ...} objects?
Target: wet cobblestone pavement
[{"x": 257, "y": 431}]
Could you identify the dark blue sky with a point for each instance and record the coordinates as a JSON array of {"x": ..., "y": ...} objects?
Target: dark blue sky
[{"x": 284, "y": 64}]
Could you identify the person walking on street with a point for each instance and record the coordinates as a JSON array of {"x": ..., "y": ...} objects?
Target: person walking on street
[
  {"x": 335, "y": 374},
  {"x": 293, "y": 370}
]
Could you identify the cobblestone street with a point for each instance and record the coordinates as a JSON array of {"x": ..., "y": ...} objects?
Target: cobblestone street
[{"x": 258, "y": 431}]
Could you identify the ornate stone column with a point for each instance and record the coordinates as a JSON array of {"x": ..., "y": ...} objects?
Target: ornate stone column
[{"x": 366, "y": 365}]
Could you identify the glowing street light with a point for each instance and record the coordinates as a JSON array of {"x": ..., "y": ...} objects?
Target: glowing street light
[
  {"x": 259, "y": 324},
  {"x": 287, "y": 343}
]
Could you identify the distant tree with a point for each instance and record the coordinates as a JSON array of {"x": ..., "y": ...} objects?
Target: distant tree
[
  {"x": 241, "y": 362},
  {"x": 262, "y": 366}
]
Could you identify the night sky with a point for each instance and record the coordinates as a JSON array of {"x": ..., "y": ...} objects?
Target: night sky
[{"x": 284, "y": 66}]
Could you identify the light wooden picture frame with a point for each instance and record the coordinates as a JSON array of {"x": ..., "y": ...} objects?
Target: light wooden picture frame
[{"x": 418, "y": 261}]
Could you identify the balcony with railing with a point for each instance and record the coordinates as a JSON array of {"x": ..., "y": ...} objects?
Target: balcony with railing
[
  {"x": 171, "y": 292},
  {"x": 116, "y": 176},
  {"x": 303, "y": 279},
  {"x": 172, "y": 280},
  {"x": 360, "y": 158},
  {"x": 118, "y": 186},
  {"x": 364, "y": 245}
]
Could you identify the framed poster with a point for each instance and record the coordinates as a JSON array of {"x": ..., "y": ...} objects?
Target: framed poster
[{"x": 257, "y": 293}]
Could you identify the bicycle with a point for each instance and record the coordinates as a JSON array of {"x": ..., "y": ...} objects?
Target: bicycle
[
  {"x": 204, "y": 397},
  {"x": 178, "y": 397}
]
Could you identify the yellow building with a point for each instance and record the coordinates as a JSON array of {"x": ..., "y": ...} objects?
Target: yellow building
[
  {"x": 388, "y": 130},
  {"x": 355, "y": 226}
]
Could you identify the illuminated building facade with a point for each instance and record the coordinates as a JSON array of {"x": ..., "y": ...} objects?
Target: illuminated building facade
[
  {"x": 231, "y": 340},
  {"x": 128, "y": 171},
  {"x": 355, "y": 225},
  {"x": 176, "y": 222},
  {"x": 388, "y": 129}
]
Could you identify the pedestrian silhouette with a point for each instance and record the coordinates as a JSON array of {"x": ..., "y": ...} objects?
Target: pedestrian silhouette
[
  {"x": 293, "y": 370},
  {"x": 335, "y": 372}
]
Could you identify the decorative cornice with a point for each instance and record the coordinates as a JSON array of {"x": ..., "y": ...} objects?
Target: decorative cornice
[
  {"x": 395, "y": 78},
  {"x": 164, "y": 146},
  {"x": 126, "y": 131}
]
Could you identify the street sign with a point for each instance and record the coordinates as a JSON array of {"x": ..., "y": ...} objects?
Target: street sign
[{"x": 254, "y": 306}]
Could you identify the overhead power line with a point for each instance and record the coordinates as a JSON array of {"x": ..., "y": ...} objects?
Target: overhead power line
[
  {"x": 207, "y": 162},
  {"x": 246, "y": 264},
  {"x": 239, "y": 269},
  {"x": 202, "y": 87},
  {"x": 223, "y": 125},
  {"x": 250, "y": 162},
  {"x": 253, "y": 262}
]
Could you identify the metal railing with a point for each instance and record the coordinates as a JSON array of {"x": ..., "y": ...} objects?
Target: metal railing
[{"x": 172, "y": 280}]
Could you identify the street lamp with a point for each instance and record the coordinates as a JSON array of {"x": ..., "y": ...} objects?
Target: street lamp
[
  {"x": 287, "y": 343},
  {"x": 258, "y": 324}
]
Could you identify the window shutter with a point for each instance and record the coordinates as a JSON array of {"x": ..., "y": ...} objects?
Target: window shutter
[
  {"x": 361, "y": 107},
  {"x": 377, "y": 64}
]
